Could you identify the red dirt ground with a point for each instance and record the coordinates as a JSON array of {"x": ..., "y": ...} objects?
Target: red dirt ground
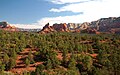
[{"x": 20, "y": 65}]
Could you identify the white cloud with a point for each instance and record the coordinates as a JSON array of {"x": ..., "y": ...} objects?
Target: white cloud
[
  {"x": 92, "y": 10},
  {"x": 65, "y": 19},
  {"x": 28, "y": 26},
  {"x": 88, "y": 6},
  {"x": 68, "y": 1}
]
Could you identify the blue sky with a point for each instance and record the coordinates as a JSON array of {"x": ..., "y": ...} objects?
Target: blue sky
[
  {"x": 36, "y": 13},
  {"x": 27, "y": 11},
  {"x": 24, "y": 11}
]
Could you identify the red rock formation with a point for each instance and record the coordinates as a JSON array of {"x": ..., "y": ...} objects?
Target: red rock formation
[
  {"x": 106, "y": 24},
  {"x": 115, "y": 30},
  {"x": 84, "y": 25},
  {"x": 55, "y": 28},
  {"x": 92, "y": 31},
  {"x": 61, "y": 27},
  {"x": 7, "y": 27},
  {"x": 47, "y": 29},
  {"x": 76, "y": 31}
]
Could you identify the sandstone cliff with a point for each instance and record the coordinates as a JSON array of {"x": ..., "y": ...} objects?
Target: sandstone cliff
[
  {"x": 109, "y": 25},
  {"x": 47, "y": 29},
  {"x": 55, "y": 28},
  {"x": 61, "y": 27},
  {"x": 106, "y": 24}
]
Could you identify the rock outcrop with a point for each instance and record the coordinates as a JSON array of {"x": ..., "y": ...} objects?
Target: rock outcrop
[
  {"x": 106, "y": 24},
  {"x": 55, "y": 28},
  {"x": 61, "y": 27},
  {"x": 7, "y": 27},
  {"x": 73, "y": 26},
  {"x": 84, "y": 26},
  {"x": 47, "y": 29},
  {"x": 92, "y": 31},
  {"x": 3, "y": 24}
]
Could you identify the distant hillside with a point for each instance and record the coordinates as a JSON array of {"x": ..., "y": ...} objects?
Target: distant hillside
[
  {"x": 106, "y": 24},
  {"x": 7, "y": 27},
  {"x": 110, "y": 25},
  {"x": 3, "y": 24}
]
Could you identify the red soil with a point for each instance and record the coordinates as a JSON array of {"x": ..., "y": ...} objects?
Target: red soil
[{"x": 20, "y": 65}]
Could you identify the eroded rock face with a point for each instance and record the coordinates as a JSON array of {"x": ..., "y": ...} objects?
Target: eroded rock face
[
  {"x": 110, "y": 25},
  {"x": 106, "y": 24},
  {"x": 56, "y": 27},
  {"x": 92, "y": 31},
  {"x": 61, "y": 27},
  {"x": 47, "y": 29},
  {"x": 73, "y": 26},
  {"x": 115, "y": 30},
  {"x": 84, "y": 25}
]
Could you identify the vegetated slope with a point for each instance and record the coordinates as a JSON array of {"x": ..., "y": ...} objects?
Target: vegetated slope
[{"x": 60, "y": 53}]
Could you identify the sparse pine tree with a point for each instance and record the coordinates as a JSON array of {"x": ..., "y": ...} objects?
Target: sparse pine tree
[
  {"x": 27, "y": 62},
  {"x": 5, "y": 59},
  {"x": 11, "y": 63},
  {"x": 49, "y": 64},
  {"x": 72, "y": 63}
]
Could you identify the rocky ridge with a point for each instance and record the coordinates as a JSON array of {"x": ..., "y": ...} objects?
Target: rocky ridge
[
  {"x": 7, "y": 27},
  {"x": 111, "y": 25},
  {"x": 55, "y": 28}
]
